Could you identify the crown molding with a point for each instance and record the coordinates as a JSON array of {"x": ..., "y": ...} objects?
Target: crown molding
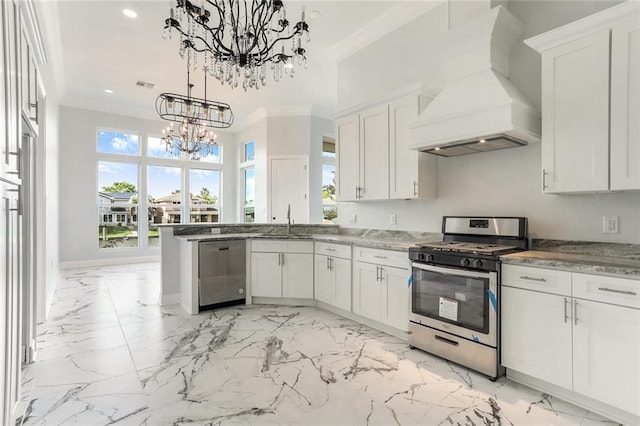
[
  {"x": 390, "y": 21},
  {"x": 582, "y": 27}
]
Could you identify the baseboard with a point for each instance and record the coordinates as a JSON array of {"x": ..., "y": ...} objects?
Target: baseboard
[
  {"x": 401, "y": 334},
  {"x": 57, "y": 276},
  {"x": 585, "y": 402},
  {"x": 282, "y": 301},
  {"x": 108, "y": 262},
  {"x": 169, "y": 299}
]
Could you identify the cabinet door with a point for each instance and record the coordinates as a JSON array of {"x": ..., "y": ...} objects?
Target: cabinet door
[
  {"x": 575, "y": 115},
  {"x": 367, "y": 291},
  {"x": 266, "y": 275},
  {"x": 374, "y": 153},
  {"x": 536, "y": 335},
  {"x": 411, "y": 173},
  {"x": 347, "y": 158},
  {"x": 625, "y": 105},
  {"x": 606, "y": 355},
  {"x": 341, "y": 269},
  {"x": 395, "y": 303},
  {"x": 297, "y": 275},
  {"x": 323, "y": 281}
]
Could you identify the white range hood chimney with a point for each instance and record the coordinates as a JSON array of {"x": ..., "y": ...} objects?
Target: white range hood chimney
[{"x": 479, "y": 108}]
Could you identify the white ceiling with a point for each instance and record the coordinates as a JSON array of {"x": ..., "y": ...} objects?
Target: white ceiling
[{"x": 93, "y": 47}]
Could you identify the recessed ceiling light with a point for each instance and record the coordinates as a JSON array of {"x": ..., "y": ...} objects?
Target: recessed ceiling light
[
  {"x": 315, "y": 14},
  {"x": 108, "y": 91},
  {"x": 129, "y": 13}
]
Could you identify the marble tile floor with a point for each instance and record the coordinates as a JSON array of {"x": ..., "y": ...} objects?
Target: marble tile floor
[{"x": 110, "y": 355}]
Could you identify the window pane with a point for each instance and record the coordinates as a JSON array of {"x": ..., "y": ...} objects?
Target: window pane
[
  {"x": 213, "y": 157},
  {"x": 157, "y": 148},
  {"x": 248, "y": 208},
  {"x": 205, "y": 195},
  {"x": 164, "y": 199},
  {"x": 249, "y": 151},
  {"x": 328, "y": 147},
  {"x": 117, "y": 205},
  {"x": 329, "y": 206},
  {"x": 113, "y": 142}
]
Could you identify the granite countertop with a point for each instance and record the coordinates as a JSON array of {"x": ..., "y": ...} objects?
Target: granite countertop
[
  {"x": 626, "y": 267},
  {"x": 361, "y": 241}
]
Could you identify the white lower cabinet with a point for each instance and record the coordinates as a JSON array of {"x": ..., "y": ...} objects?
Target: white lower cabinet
[
  {"x": 333, "y": 274},
  {"x": 380, "y": 286},
  {"x": 282, "y": 269},
  {"x": 586, "y": 341}
]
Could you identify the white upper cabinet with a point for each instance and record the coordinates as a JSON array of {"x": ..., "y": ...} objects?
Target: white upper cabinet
[
  {"x": 590, "y": 102},
  {"x": 625, "y": 105},
  {"x": 374, "y": 153},
  {"x": 412, "y": 174},
  {"x": 347, "y": 158},
  {"x": 373, "y": 159}
]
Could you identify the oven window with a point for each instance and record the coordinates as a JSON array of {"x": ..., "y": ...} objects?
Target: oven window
[{"x": 463, "y": 301}]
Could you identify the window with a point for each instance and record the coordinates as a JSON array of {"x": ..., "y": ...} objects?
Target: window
[
  {"x": 247, "y": 172},
  {"x": 204, "y": 196},
  {"x": 122, "y": 158},
  {"x": 114, "y": 142},
  {"x": 164, "y": 196},
  {"x": 117, "y": 189},
  {"x": 329, "y": 206}
]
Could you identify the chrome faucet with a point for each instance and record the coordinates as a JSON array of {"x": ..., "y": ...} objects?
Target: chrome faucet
[{"x": 288, "y": 218}]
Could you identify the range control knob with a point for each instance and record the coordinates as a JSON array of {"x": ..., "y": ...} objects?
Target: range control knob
[
  {"x": 421, "y": 257},
  {"x": 477, "y": 263},
  {"x": 465, "y": 262},
  {"x": 430, "y": 258}
]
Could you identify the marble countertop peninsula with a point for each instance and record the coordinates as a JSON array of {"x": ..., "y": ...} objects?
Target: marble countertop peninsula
[
  {"x": 618, "y": 260},
  {"x": 370, "y": 238}
]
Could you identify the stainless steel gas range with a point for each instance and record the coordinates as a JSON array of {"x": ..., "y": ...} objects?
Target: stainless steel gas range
[{"x": 455, "y": 292}]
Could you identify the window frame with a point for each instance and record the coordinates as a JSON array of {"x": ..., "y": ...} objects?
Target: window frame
[{"x": 242, "y": 181}]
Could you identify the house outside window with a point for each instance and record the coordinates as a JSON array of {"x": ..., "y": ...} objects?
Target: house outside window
[
  {"x": 329, "y": 205},
  {"x": 248, "y": 184}
]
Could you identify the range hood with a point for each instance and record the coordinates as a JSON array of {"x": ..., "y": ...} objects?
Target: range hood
[{"x": 479, "y": 109}]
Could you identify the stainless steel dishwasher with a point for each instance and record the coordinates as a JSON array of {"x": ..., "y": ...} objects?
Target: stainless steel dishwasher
[{"x": 221, "y": 273}]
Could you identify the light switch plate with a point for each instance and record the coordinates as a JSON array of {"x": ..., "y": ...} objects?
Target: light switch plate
[{"x": 393, "y": 219}]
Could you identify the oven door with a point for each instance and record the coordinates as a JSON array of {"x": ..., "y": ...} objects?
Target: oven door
[{"x": 457, "y": 301}]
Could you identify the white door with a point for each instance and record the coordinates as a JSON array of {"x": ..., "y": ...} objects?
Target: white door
[
  {"x": 323, "y": 279},
  {"x": 288, "y": 188},
  {"x": 606, "y": 356},
  {"x": 536, "y": 335},
  {"x": 575, "y": 115},
  {"x": 341, "y": 269},
  {"x": 367, "y": 290},
  {"x": 347, "y": 158},
  {"x": 266, "y": 274},
  {"x": 395, "y": 303},
  {"x": 297, "y": 275},
  {"x": 625, "y": 105},
  {"x": 374, "y": 153}
]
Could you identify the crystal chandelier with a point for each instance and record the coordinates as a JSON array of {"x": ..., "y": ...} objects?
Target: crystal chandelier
[
  {"x": 239, "y": 39},
  {"x": 193, "y": 138}
]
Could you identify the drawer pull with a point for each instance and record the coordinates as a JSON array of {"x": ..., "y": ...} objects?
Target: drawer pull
[
  {"x": 566, "y": 316},
  {"x": 447, "y": 341},
  {"x": 380, "y": 257},
  {"x": 330, "y": 249},
  {"x": 541, "y": 280},
  {"x": 575, "y": 312},
  {"x": 613, "y": 290}
]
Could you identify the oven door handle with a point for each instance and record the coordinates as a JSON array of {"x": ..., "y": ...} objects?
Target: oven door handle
[{"x": 450, "y": 271}]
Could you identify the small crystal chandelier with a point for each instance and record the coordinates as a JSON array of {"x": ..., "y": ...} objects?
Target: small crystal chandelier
[
  {"x": 240, "y": 38},
  {"x": 194, "y": 137}
]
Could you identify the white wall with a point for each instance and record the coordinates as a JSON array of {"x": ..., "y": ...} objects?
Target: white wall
[
  {"x": 78, "y": 180},
  {"x": 494, "y": 183}
]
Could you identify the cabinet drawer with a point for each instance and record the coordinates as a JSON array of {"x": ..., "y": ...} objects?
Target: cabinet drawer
[
  {"x": 282, "y": 246},
  {"x": 618, "y": 291},
  {"x": 538, "y": 279},
  {"x": 334, "y": 250},
  {"x": 398, "y": 259}
]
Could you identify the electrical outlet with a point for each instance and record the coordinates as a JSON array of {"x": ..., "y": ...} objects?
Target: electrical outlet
[
  {"x": 393, "y": 219},
  {"x": 354, "y": 218},
  {"x": 610, "y": 225}
]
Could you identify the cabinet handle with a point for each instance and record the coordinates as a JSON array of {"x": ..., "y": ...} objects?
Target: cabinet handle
[
  {"x": 575, "y": 312},
  {"x": 380, "y": 257},
  {"x": 282, "y": 254},
  {"x": 415, "y": 188},
  {"x": 566, "y": 316},
  {"x": 542, "y": 280},
  {"x": 544, "y": 179},
  {"x": 18, "y": 155},
  {"x": 330, "y": 264},
  {"x": 330, "y": 249},
  {"x": 358, "y": 195},
  {"x": 613, "y": 290}
]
